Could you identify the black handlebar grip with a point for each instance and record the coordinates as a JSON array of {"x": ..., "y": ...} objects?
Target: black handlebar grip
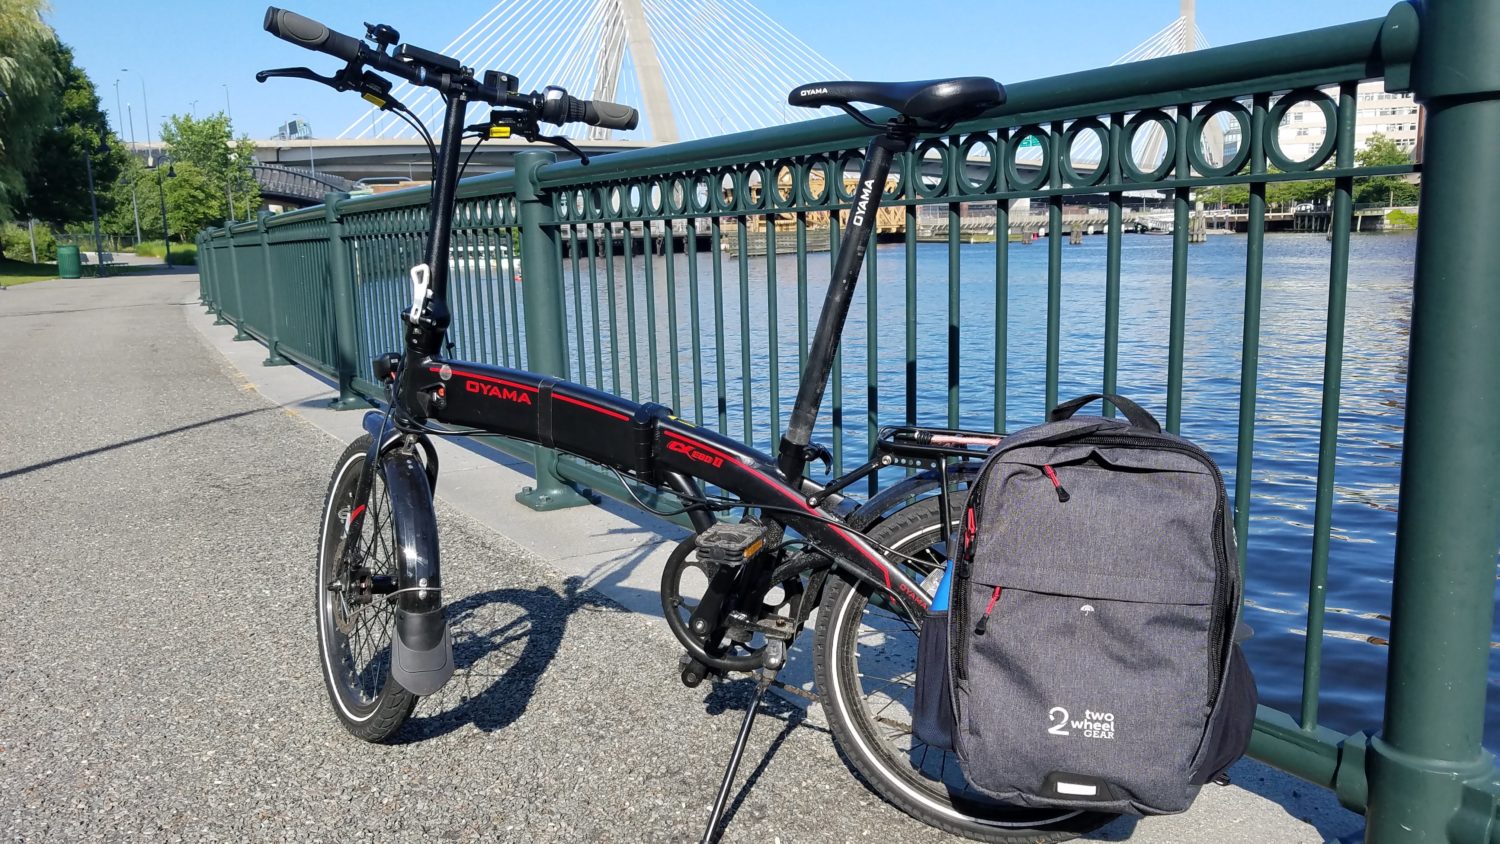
[
  {"x": 306, "y": 32},
  {"x": 609, "y": 115}
]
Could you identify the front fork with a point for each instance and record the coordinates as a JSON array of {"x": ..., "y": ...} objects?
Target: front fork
[{"x": 421, "y": 646}]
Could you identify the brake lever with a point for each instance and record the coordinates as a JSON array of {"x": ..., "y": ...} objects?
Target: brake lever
[
  {"x": 298, "y": 73},
  {"x": 560, "y": 141}
]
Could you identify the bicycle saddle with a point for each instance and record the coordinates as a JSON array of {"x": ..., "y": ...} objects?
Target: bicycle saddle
[{"x": 940, "y": 101}]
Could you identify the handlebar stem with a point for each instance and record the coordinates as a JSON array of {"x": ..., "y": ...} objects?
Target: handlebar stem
[{"x": 425, "y": 336}]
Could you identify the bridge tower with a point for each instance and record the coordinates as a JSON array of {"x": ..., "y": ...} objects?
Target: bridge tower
[
  {"x": 630, "y": 16},
  {"x": 650, "y": 54}
]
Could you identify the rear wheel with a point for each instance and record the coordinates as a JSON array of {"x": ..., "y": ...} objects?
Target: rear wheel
[
  {"x": 866, "y": 669},
  {"x": 355, "y": 619}
]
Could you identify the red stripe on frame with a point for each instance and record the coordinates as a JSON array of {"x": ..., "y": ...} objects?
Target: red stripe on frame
[
  {"x": 594, "y": 407},
  {"x": 879, "y": 563}
]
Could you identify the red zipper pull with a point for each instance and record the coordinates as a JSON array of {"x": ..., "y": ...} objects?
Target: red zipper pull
[
  {"x": 1062, "y": 494},
  {"x": 984, "y": 620}
]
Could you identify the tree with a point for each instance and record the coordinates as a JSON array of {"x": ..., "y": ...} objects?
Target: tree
[
  {"x": 1381, "y": 151},
  {"x": 213, "y": 167},
  {"x": 30, "y": 80},
  {"x": 57, "y": 188},
  {"x": 1277, "y": 193}
]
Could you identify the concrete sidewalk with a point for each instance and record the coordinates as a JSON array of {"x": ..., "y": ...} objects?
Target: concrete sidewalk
[{"x": 162, "y": 487}]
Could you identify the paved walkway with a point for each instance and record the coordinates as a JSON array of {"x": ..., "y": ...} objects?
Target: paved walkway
[{"x": 159, "y": 493}]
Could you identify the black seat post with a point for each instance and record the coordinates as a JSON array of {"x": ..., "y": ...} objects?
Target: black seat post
[{"x": 883, "y": 148}]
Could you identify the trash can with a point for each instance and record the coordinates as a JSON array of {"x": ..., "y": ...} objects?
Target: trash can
[{"x": 69, "y": 264}]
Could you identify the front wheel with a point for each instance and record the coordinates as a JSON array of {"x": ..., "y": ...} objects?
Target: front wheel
[
  {"x": 355, "y": 619},
  {"x": 865, "y": 661}
]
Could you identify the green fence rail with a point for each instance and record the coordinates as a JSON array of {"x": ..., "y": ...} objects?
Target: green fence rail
[{"x": 537, "y": 284}]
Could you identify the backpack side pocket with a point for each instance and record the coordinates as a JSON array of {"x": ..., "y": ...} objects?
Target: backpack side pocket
[{"x": 932, "y": 716}]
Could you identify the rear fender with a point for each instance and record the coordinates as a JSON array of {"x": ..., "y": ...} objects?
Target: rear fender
[
  {"x": 421, "y": 647},
  {"x": 904, "y": 492}
]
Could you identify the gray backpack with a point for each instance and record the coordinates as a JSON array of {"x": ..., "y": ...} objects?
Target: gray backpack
[{"x": 1089, "y": 659}]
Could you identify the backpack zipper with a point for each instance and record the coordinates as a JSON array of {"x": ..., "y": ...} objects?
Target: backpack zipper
[
  {"x": 1062, "y": 494},
  {"x": 984, "y": 620},
  {"x": 963, "y": 556}
]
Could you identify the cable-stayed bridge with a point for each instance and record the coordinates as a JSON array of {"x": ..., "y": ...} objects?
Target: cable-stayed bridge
[
  {"x": 693, "y": 68},
  {"x": 667, "y": 58}
]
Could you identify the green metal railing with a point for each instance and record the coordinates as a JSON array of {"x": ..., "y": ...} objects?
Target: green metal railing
[{"x": 323, "y": 287}]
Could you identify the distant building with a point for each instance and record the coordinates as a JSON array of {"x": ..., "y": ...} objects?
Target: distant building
[{"x": 1397, "y": 116}]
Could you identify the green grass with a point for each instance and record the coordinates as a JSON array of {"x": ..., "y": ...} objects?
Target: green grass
[
  {"x": 21, "y": 272},
  {"x": 182, "y": 253}
]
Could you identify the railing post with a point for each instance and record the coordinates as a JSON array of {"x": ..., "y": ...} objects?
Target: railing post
[
  {"x": 273, "y": 333},
  {"x": 239, "y": 288},
  {"x": 1429, "y": 775},
  {"x": 203, "y": 274},
  {"x": 219, "y": 295},
  {"x": 546, "y": 332},
  {"x": 345, "y": 321}
]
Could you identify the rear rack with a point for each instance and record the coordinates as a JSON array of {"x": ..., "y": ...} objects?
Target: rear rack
[
  {"x": 914, "y": 447},
  {"x": 929, "y": 445}
]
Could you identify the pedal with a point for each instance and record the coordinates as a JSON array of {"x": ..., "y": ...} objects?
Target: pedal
[{"x": 732, "y": 544}]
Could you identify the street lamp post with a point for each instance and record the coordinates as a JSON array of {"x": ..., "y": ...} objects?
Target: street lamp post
[
  {"x": 229, "y": 179},
  {"x": 88, "y": 164},
  {"x": 135, "y": 207},
  {"x": 312, "y": 160},
  {"x": 161, "y": 183}
]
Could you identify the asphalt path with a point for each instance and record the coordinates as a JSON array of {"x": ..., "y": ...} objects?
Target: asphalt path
[{"x": 159, "y": 676}]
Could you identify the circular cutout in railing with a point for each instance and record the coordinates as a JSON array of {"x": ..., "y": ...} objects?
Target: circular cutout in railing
[
  {"x": 850, "y": 163},
  {"x": 930, "y": 164},
  {"x": 679, "y": 188},
  {"x": 978, "y": 155},
  {"x": 784, "y": 175},
  {"x": 700, "y": 195},
  {"x": 1149, "y": 134},
  {"x": 758, "y": 186},
  {"x": 1317, "y": 140},
  {"x": 596, "y": 203},
  {"x": 1084, "y": 163},
  {"x": 1201, "y": 156},
  {"x": 1033, "y": 145},
  {"x": 724, "y": 194},
  {"x": 818, "y": 177}
]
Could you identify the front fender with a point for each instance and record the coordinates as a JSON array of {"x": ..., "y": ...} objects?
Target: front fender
[
  {"x": 384, "y": 437},
  {"x": 421, "y": 647}
]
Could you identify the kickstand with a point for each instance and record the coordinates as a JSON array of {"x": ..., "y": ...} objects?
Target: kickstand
[{"x": 767, "y": 677}]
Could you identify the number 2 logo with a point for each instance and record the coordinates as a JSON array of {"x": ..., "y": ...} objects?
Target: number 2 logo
[{"x": 1061, "y": 727}]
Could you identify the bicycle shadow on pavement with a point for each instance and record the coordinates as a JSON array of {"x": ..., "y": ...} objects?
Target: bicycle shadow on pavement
[{"x": 503, "y": 642}]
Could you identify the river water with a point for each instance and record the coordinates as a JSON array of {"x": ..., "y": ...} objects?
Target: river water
[{"x": 1285, "y": 468}]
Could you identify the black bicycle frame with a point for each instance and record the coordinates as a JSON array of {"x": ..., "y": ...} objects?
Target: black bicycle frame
[{"x": 647, "y": 441}]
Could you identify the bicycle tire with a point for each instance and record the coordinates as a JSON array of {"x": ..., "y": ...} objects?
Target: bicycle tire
[
  {"x": 354, "y": 641},
  {"x": 894, "y": 764}
]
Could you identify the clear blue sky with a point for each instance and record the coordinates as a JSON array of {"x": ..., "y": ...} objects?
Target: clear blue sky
[{"x": 187, "y": 50}]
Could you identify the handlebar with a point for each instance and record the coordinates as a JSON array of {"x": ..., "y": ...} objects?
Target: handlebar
[
  {"x": 554, "y": 105},
  {"x": 558, "y": 107},
  {"x": 306, "y": 32}
]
